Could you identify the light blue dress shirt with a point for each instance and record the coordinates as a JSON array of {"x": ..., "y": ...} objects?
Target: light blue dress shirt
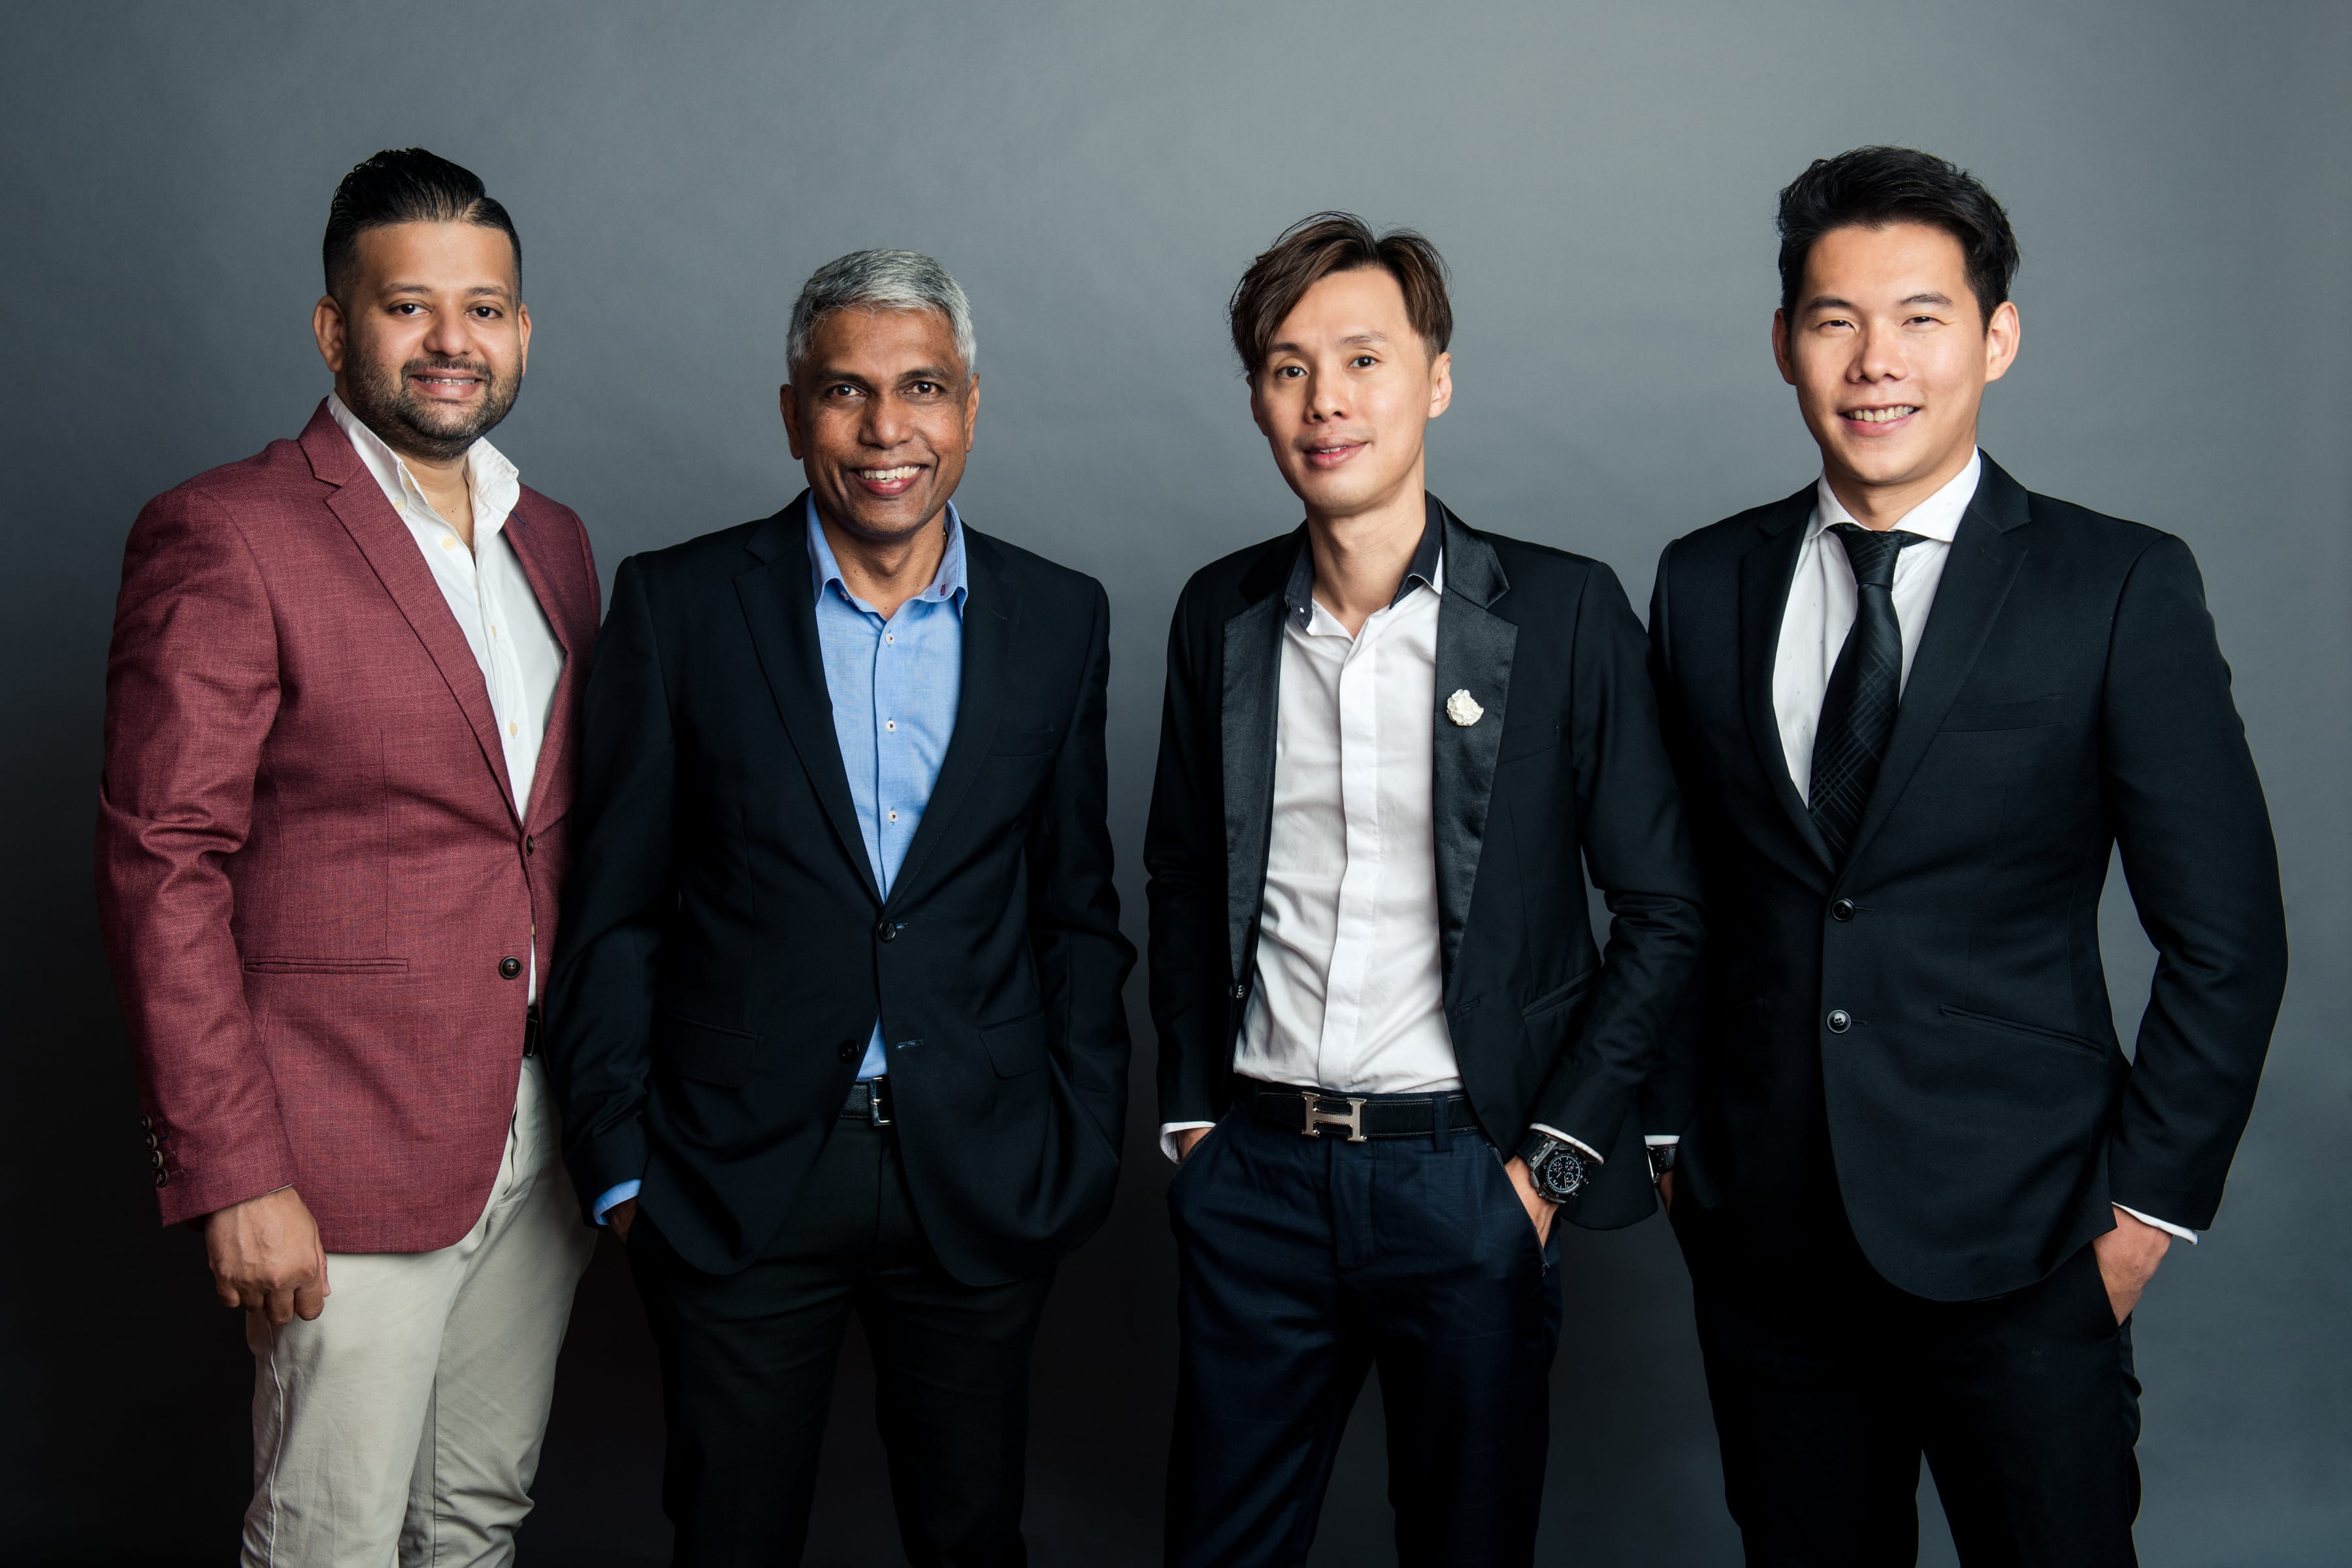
[{"x": 896, "y": 685}]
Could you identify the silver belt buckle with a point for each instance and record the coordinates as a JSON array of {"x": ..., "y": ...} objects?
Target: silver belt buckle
[
  {"x": 874, "y": 1104},
  {"x": 1318, "y": 1119}
]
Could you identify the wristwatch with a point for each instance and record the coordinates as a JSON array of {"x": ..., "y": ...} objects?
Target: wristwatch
[
  {"x": 1662, "y": 1157},
  {"x": 1557, "y": 1167}
]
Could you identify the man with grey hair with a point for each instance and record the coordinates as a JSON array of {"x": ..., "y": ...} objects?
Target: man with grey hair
[{"x": 836, "y": 1022}]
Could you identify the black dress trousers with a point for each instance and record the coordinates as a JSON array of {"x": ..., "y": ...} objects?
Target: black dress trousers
[
  {"x": 1829, "y": 1387},
  {"x": 748, "y": 1364},
  {"x": 1304, "y": 1263}
]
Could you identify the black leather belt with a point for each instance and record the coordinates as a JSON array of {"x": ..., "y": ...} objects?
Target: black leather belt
[
  {"x": 1357, "y": 1117},
  {"x": 530, "y": 1032},
  {"x": 869, "y": 1101}
]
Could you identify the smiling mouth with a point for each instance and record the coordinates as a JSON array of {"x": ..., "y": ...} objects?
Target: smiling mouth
[
  {"x": 1331, "y": 453},
  {"x": 446, "y": 382},
  {"x": 1880, "y": 415},
  {"x": 886, "y": 482}
]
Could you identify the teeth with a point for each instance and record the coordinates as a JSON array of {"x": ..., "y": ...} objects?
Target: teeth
[
  {"x": 889, "y": 476},
  {"x": 1880, "y": 416}
]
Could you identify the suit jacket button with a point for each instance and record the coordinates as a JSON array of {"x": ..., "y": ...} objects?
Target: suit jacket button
[
  {"x": 1241, "y": 992},
  {"x": 883, "y": 931},
  {"x": 155, "y": 1158},
  {"x": 1840, "y": 1020},
  {"x": 850, "y": 1052},
  {"x": 1842, "y": 909},
  {"x": 529, "y": 845},
  {"x": 162, "y": 1180},
  {"x": 508, "y": 968},
  {"x": 146, "y": 1124}
]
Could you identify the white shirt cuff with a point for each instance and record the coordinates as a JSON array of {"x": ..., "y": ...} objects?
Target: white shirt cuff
[
  {"x": 619, "y": 1193},
  {"x": 2164, "y": 1225},
  {"x": 1168, "y": 1130},
  {"x": 1580, "y": 1146},
  {"x": 1662, "y": 1139}
]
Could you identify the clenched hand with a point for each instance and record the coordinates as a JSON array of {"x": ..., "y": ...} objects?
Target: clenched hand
[{"x": 266, "y": 1258}]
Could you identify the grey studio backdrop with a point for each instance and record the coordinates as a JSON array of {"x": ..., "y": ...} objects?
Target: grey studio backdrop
[{"x": 1602, "y": 180}]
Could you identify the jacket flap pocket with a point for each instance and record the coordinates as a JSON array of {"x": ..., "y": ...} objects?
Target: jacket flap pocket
[
  {"x": 707, "y": 1053},
  {"x": 326, "y": 966},
  {"x": 2031, "y": 714},
  {"x": 1558, "y": 997},
  {"x": 1016, "y": 1047},
  {"x": 1526, "y": 740},
  {"x": 1024, "y": 742}
]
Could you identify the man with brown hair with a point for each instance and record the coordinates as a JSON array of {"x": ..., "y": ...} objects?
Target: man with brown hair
[{"x": 1390, "y": 1054}]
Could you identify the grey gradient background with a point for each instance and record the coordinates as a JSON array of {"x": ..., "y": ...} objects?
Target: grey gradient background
[{"x": 1601, "y": 178}]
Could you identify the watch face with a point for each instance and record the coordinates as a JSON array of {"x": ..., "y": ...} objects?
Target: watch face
[{"x": 1561, "y": 1175}]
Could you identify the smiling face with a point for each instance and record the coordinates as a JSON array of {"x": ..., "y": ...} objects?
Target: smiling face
[
  {"x": 1890, "y": 355},
  {"x": 429, "y": 346},
  {"x": 1346, "y": 392},
  {"x": 882, "y": 418}
]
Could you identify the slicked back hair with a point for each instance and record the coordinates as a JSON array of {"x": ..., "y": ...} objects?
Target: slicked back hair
[
  {"x": 1871, "y": 187},
  {"x": 1311, "y": 250},
  {"x": 879, "y": 280},
  {"x": 406, "y": 185}
]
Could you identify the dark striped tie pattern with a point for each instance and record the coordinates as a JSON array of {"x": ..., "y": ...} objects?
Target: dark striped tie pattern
[{"x": 1866, "y": 685}]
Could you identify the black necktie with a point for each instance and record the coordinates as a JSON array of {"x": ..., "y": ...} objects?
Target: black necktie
[{"x": 1858, "y": 710}]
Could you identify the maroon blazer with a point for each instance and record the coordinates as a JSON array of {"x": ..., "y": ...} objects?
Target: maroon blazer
[{"x": 316, "y": 890}]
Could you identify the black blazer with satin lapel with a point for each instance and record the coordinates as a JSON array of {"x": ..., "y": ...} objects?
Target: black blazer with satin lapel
[
  {"x": 1976, "y": 1118},
  {"x": 1565, "y": 773},
  {"x": 724, "y": 959}
]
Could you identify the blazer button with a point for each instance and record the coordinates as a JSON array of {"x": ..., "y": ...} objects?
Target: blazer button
[
  {"x": 155, "y": 1158},
  {"x": 529, "y": 845},
  {"x": 508, "y": 968},
  {"x": 885, "y": 931},
  {"x": 162, "y": 1180},
  {"x": 1842, "y": 909},
  {"x": 1840, "y": 1021},
  {"x": 146, "y": 1124},
  {"x": 1241, "y": 992},
  {"x": 849, "y": 1051},
  {"x": 153, "y": 1141}
]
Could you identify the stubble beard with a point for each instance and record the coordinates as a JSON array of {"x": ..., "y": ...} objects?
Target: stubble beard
[{"x": 417, "y": 425}]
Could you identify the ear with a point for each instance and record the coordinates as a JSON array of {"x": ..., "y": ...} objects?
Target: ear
[
  {"x": 328, "y": 326},
  {"x": 970, "y": 412},
  {"x": 791, "y": 409},
  {"x": 1257, "y": 411},
  {"x": 1780, "y": 347},
  {"x": 2002, "y": 335},
  {"x": 522, "y": 330},
  {"x": 1440, "y": 384}
]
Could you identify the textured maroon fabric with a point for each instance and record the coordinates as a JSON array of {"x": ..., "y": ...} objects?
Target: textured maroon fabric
[{"x": 310, "y": 868}]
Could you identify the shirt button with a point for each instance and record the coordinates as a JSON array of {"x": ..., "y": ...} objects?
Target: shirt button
[
  {"x": 494, "y": 631},
  {"x": 889, "y": 637},
  {"x": 883, "y": 931},
  {"x": 894, "y": 816},
  {"x": 514, "y": 729},
  {"x": 1842, "y": 909},
  {"x": 509, "y": 968},
  {"x": 449, "y": 541},
  {"x": 1840, "y": 1020},
  {"x": 890, "y": 723}
]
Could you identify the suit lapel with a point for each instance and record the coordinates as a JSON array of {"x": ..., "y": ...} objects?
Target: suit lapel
[
  {"x": 780, "y": 608},
  {"x": 991, "y": 621},
  {"x": 1983, "y": 564},
  {"x": 1766, "y": 572},
  {"x": 391, "y": 551},
  {"x": 1251, "y": 708},
  {"x": 1474, "y": 651},
  {"x": 530, "y": 545}
]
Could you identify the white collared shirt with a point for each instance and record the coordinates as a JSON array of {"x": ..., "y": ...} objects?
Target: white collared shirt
[
  {"x": 487, "y": 592},
  {"x": 1820, "y": 613}
]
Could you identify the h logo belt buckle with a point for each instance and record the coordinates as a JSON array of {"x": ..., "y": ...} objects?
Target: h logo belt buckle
[{"x": 1318, "y": 1119}]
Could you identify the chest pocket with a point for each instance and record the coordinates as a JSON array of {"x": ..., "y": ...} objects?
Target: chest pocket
[
  {"x": 2031, "y": 714},
  {"x": 1529, "y": 741},
  {"x": 1025, "y": 742}
]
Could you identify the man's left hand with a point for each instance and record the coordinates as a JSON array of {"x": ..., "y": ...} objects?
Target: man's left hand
[
  {"x": 2127, "y": 1257},
  {"x": 1541, "y": 1210}
]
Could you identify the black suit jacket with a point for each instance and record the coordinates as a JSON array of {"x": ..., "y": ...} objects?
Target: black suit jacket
[
  {"x": 1565, "y": 771},
  {"x": 1977, "y": 1116},
  {"x": 725, "y": 953}
]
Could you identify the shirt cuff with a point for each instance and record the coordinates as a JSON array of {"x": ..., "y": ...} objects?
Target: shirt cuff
[
  {"x": 1662, "y": 1139},
  {"x": 1579, "y": 1144},
  {"x": 619, "y": 1193},
  {"x": 2164, "y": 1225},
  {"x": 1168, "y": 1130}
]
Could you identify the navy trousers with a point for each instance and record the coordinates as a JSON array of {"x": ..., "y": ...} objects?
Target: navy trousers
[{"x": 1307, "y": 1261}]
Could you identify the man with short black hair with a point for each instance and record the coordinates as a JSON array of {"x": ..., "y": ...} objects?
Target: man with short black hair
[
  {"x": 836, "y": 1022},
  {"x": 1390, "y": 1053},
  {"x": 330, "y": 838},
  {"x": 1915, "y": 709}
]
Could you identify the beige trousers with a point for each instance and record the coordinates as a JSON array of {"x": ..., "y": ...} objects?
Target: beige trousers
[{"x": 402, "y": 1425}]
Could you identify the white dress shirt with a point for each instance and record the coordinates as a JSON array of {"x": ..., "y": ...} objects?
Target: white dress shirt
[
  {"x": 486, "y": 591},
  {"x": 1349, "y": 992},
  {"x": 1821, "y": 612}
]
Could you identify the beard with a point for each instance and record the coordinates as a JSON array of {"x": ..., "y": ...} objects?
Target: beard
[{"x": 431, "y": 430}]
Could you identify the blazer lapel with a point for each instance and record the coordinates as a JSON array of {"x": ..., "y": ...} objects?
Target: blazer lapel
[
  {"x": 1766, "y": 572},
  {"x": 992, "y": 618},
  {"x": 1983, "y": 564},
  {"x": 1475, "y": 649},
  {"x": 391, "y": 551},
  {"x": 549, "y": 786},
  {"x": 780, "y": 610},
  {"x": 1251, "y": 708}
]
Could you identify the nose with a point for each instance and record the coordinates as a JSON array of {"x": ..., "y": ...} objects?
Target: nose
[
  {"x": 450, "y": 335},
  {"x": 886, "y": 421},
  {"x": 1325, "y": 398},
  {"x": 1878, "y": 355}
]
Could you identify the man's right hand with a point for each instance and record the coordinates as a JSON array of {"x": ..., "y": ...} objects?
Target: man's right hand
[
  {"x": 266, "y": 1258},
  {"x": 1186, "y": 1138},
  {"x": 620, "y": 1215}
]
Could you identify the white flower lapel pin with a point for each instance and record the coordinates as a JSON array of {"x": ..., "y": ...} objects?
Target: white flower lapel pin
[{"x": 1464, "y": 710}]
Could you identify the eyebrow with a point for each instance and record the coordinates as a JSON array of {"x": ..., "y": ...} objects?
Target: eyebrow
[
  {"x": 1832, "y": 302},
  {"x": 479, "y": 290},
  {"x": 1363, "y": 337},
  {"x": 920, "y": 373}
]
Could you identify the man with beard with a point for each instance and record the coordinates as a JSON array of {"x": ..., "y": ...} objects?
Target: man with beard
[{"x": 331, "y": 837}]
